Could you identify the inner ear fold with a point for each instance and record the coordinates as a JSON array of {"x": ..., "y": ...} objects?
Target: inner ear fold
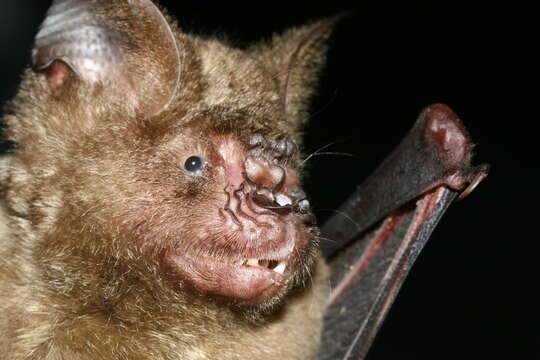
[
  {"x": 125, "y": 45},
  {"x": 58, "y": 73},
  {"x": 296, "y": 57}
]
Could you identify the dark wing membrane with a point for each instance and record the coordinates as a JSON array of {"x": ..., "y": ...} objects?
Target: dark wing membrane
[
  {"x": 436, "y": 151},
  {"x": 361, "y": 299},
  {"x": 406, "y": 197}
]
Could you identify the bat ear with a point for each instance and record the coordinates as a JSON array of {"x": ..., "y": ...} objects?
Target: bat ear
[
  {"x": 297, "y": 57},
  {"x": 127, "y": 46}
]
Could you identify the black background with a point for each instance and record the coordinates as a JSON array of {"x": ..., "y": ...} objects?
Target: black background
[{"x": 472, "y": 293}]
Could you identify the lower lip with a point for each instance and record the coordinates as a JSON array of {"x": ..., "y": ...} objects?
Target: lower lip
[{"x": 243, "y": 283}]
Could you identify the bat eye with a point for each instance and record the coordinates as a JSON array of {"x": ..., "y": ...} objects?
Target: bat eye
[{"x": 194, "y": 164}]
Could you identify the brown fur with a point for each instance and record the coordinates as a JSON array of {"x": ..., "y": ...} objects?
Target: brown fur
[{"x": 93, "y": 185}]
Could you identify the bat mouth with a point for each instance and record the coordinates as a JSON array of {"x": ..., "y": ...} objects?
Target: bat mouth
[
  {"x": 250, "y": 263},
  {"x": 278, "y": 266},
  {"x": 251, "y": 281}
]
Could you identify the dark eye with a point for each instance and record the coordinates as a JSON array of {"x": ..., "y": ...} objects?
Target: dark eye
[{"x": 194, "y": 164}]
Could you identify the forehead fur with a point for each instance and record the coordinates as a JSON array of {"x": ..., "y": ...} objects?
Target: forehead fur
[
  {"x": 234, "y": 78},
  {"x": 263, "y": 89},
  {"x": 234, "y": 92}
]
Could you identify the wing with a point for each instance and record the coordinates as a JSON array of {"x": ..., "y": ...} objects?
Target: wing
[{"x": 393, "y": 213}]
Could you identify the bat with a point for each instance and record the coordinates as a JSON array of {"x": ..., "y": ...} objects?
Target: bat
[{"x": 153, "y": 206}]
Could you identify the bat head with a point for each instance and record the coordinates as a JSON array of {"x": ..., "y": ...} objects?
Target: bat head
[{"x": 145, "y": 153}]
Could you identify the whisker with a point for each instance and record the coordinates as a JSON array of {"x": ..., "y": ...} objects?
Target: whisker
[
  {"x": 342, "y": 213},
  {"x": 324, "y": 106},
  {"x": 325, "y": 239},
  {"x": 333, "y": 153},
  {"x": 317, "y": 151}
]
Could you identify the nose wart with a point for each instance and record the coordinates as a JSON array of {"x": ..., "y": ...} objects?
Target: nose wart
[{"x": 279, "y": 149}]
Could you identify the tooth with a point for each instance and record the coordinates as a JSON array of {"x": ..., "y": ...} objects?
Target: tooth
[
  {"x": 253, "y": 262},
  {"x": 281, "y": 267},
  {"x": 303, "y": 205},
  {"x": 283, "y": 200}
]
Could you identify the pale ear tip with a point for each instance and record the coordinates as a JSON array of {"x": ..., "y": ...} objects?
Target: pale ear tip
[
  {"x": 339, "y": 16},
  {"x": 328, "y": 24}
]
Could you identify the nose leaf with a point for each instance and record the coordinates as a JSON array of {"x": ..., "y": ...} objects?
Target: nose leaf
[{"x": 263, "y": 174}]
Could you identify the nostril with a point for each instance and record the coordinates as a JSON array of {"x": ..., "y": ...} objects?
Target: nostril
[
  {"x": 262, "y": 200},
  {"x": 275, "y": 204},
  {"x": 282, "y": 210}
]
